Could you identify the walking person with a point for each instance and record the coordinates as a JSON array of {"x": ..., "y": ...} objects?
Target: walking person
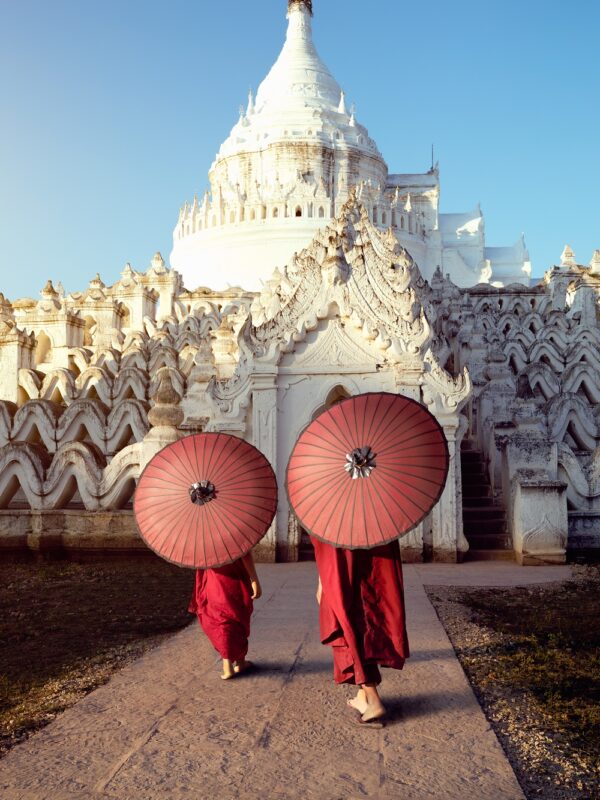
[
  {"x": 362, "y": 619},
  {"x": 204, "y": 502},
  {"x": 223, "y": 601},
  {"x": 362, "y": 474}
]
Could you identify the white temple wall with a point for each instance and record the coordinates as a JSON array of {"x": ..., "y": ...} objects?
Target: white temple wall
[{"x": 16, "y": 353}]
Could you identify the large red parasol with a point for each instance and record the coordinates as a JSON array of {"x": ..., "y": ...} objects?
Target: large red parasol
[
  {"x": 205, "y": 500},
  {"x": 367, "y": 470}
]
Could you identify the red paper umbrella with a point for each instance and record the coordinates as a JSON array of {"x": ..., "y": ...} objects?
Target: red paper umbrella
[
  {"x": 367, "y": 470},
  {"x": 205, "y": 500}
]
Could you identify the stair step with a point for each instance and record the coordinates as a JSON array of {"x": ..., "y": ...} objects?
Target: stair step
[
  {"x": 484, "y": 520},
  {"x": 490, "y": 541},
  {"x": 475, "y": 477},
  {"x": 491, "y": 528},
  {"x": 489, "y": 555},
  {"x": 489, "y": 511},
  {"x": 470, "y": 501},
  {"x": 473, "y": 490}
]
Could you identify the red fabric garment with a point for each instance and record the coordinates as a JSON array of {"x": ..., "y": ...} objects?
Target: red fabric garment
[
  {"x": 362, "y": 610},
  {"x": 222, "y": 600}
]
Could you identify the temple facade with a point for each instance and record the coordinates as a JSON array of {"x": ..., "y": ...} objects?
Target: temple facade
[{"x": 310, "y": 273}]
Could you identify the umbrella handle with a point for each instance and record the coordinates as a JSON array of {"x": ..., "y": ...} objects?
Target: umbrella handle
[
  {"x": 360, "y": 462},
  {"x": 202, "y": 492}
]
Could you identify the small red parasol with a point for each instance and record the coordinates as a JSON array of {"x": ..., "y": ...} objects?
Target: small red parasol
[
  {"x": 205, "y": 500},
  {"x": 367, "y": 470}
]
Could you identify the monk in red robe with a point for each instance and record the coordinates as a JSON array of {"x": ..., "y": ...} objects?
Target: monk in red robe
[
  {"x": 361, "y": 614},
  {"x": 223, "y": 601}
]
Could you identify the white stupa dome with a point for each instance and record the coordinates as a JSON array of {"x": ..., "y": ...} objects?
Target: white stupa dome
[{"x": 286, "y": 168}]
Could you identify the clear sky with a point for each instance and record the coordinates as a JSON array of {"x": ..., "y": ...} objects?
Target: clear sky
[{"x": 112, "y": 112}]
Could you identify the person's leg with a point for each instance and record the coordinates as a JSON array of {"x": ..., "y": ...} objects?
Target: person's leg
[
  {"x": 368, "y": 703},
  {"x": 228, "y": 669},
  {"x": 367, "y": 700},
  {"x": 374, "y": 707}
]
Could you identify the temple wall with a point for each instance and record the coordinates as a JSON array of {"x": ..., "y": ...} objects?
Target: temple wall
[{"x": 75, "y": 432}]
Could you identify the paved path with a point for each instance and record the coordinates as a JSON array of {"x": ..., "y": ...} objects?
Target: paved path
[{"x": 167, "y": 727}]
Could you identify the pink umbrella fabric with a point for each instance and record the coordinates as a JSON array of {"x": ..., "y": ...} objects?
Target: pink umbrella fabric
[
  {"x": 205, "y": 500},
  {"x": 367, "y": 470}
]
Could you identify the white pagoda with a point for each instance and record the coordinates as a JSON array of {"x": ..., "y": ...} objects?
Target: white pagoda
[{"x": 286, "y": 170}]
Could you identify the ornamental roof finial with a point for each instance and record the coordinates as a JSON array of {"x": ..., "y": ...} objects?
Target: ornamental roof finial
[{"x": 299, "y": 3}]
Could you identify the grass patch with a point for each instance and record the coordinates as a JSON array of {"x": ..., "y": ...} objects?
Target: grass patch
[
  {"x": 65, "y": 628},
  {"x": 552, "y": 650},
  {"x": 532, "y": 655}
]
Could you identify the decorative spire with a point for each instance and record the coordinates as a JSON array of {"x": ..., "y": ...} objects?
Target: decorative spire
[
  {"x": 595, "y": 263},
  {"x": 49, "y": 290},
  {"x": 250, "y": 109},
  {"x": 307, "y": 4},
  {"x": 567, "y": 258},
  {"x": 97, "y": 282},
  {"x": 342, "y": 105},
  {"x": 158, "y": 264}
]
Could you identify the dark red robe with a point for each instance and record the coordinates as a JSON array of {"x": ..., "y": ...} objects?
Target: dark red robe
[
  {"x": 362, "y": 610},
  {"x": 222, "y": 600}
]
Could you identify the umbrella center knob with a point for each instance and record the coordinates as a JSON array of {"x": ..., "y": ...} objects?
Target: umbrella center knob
[
  {"x": 202, "y": 492},
  {"x": 360, "y": 462}
]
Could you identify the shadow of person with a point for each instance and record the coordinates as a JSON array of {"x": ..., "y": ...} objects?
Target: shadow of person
[
  {"x": 264, "y": 667},
  {"x": 426, "y": 704}
]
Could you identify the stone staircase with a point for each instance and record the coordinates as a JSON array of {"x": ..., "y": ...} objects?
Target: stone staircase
[{"x": 484, "y": 519}]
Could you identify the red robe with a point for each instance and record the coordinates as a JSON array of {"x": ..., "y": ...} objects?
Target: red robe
[
  {"x": 222, "y": 600},
  {"x": 362, "y": 610}
]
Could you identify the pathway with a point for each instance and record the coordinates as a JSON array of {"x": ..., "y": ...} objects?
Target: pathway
[{"x": 167, "y": 727}]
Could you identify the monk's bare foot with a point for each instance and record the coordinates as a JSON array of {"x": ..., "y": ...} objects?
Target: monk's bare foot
[
  {"x": 228, "y": 670},
  {"x": 242, "y": 666},
  {"x": 373, "y": 713},
  {"x": 359, "y": 703},
  {"x": 368, "y": 704}
]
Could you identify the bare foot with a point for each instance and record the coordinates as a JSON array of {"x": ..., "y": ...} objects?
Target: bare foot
[
  {"x": 240, "y": 667},
  {"x": 368, "y": 704},
  {"x": 373, "y": 713},
  {"x": 359, "y": 703},
  {"x": 228, "y": 670}
]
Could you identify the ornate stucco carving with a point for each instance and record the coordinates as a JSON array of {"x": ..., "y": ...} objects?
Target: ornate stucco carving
[
  {"x": 334, "y": 348},
  {"x": 351, "y": 269},
  {"x": 544, "y": 537}
]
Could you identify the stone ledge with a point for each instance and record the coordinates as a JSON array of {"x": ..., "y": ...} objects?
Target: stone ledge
[{"x": 80, "y": 535}]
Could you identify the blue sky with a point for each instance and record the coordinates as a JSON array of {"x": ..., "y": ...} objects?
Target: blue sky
[{"x": 112, "y": 112}]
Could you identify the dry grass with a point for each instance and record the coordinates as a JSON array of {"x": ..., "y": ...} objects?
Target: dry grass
[
  {"x": 65, "y": 628},
  {"x": 532, "y": 655}
]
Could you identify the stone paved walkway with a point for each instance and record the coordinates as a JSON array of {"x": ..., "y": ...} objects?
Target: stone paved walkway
[{"x": 167, "y": 727}]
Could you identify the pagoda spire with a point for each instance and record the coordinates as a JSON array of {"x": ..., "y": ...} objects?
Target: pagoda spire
[{"x": 299, "y": 3}]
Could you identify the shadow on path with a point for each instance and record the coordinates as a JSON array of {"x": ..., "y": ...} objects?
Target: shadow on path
[
  {"x": 265, "y": 667},
  {"x": 423, "y": 705}
]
